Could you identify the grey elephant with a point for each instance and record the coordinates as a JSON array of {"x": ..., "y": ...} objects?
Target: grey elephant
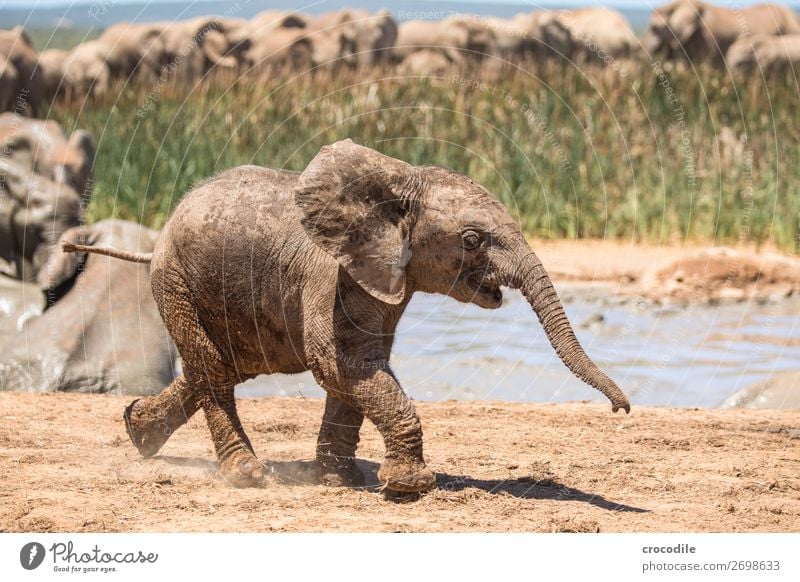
[
  {"x": 51, "y": 64},
  {"x": 764, "y": 54},
  {"x": 599, "y": 34},
  {"x": 100, "y": 331},
  {"x": 264, "y": 271},
  {"x": 85, "y": 70},
  {"x": 47, "y": 182},
  {"x": 195, "y": 47},
  {"x": 43, "y": 147},
  {"x": 697, "y": 31},
  {"x": 459, "y": 39},
  {"x": 353, "y": 37},
  {"x": 273, "y": 39},
  {"x": 22, "y": 90},
  {"x": 537, "y": 34}
]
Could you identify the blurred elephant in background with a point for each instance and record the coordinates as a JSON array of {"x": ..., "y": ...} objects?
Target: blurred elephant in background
[
  {"x": 133, "y": 52},
  {"x": 51, "y": 64},
  {"x": 47, "y": 182},
  {"x": 456, "y": 38},
  {"x": 599, "y": 34},
  {"x": 353, "y": 37},
  {"x": 194, "y": 47},
  {"x": 43, "y": 147},
  {"x": 9, "y": 79},
  {"x": 535, "y": 34},
  {"x": 273, "y": 39},
  {"x": 696, "y": 31},
  {"x": 100, "y": 330},
  {"x": 22, "y": 90},
  {"x": 85, "y": 71},
  {"x": 765, "y": 54}
]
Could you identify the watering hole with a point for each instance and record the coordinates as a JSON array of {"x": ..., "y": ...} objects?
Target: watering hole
[
  {"x": 660, "y": 356},
  {"x": 701, "y": 356}
]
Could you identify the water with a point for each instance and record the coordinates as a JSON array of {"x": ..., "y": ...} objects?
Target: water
[
  {"x": 685, "y": 357},
  {"x": 444, "y": 350}
]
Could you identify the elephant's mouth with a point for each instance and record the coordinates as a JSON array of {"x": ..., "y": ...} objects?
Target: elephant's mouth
[{"x": 485, "y": 289}]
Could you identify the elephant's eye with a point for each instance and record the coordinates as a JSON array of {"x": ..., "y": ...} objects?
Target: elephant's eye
[{"x": 470, "y": 239}]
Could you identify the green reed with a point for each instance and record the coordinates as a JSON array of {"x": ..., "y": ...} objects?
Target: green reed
[{"x": 573, "y": 152}]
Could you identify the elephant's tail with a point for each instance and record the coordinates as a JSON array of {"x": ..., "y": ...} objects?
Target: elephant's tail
[{"x": 68, "y": 247}]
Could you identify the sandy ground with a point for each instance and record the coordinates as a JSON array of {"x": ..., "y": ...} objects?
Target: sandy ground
[{"x": 67, "y": 465}]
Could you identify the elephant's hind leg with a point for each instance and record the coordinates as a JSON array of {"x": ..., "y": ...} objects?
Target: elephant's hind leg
[
  {"x": 208, "y": 378},
  {"x": 238, "y": 463},
  {"x": 337, "y": 442},
  {"x": 151, "y": 421}
]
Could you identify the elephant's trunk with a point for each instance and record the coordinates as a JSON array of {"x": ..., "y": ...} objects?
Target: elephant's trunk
[{"x": 527, "y": 274}]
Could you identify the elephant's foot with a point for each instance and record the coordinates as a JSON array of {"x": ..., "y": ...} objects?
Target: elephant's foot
[
  {"x": 147, "y": 434},
  {"x": 340, "y": 473},
  {"x": 406, "y": 476},
  {"x": 242, "y": 469}
]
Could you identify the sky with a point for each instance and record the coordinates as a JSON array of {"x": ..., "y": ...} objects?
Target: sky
[{"x": 534, "y": 3}]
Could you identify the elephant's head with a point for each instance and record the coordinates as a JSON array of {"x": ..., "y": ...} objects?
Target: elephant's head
[
  {"x": 396, "y": 229},
  {"x": 34, "y": 211},
  {"x": 672, "y": 26}
]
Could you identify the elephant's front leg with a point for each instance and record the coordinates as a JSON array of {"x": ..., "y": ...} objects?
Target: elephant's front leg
[
  {"x": 337, "y": 442},
  {"x": 371, "y": 388}
]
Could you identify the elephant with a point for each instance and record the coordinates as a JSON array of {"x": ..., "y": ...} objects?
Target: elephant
[
  {"x": 273, "y": 39},
  {"x": 767, "y": 54},
  {"x": 133, "y": 52},
  {"x": 100, "y": 331},
  {"x": 51, "y": 64},
  {"x": 358, "y": 37},
  {"x": 22, "y": 88},
  {"x": 47, "y": 183},
  {"x": 536, "y": 34},
  {"x": 458, "y": 38},
  {"x": 34, "y": 211},
  {"x": 266, "y": 271},
  {"x": 43, "y": 147},
  {"x": 86, "y": 71},
  {"x": 195, "y": 47},
  {"x": 9, "y": 79},
  {"x": 697, "y": 32},
  {"x": 599, "y": 34}
]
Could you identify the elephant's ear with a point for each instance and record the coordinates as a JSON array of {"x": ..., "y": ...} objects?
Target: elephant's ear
[
  {"x": 356, "y": 205},
  {"x": 59, "y": 274}
]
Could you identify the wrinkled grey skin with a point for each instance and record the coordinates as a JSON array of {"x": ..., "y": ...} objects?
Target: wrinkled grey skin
[
  {"x": 263, "y": 271},
  {"x": 45, "y": 184},
  {"x": 100, "y": 331},
  {"x": 696, "y": 31}
]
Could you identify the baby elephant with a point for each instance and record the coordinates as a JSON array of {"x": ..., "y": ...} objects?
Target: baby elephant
[
  {"x": 263, "y": 271},
  {"x": 100, "y": 331}
]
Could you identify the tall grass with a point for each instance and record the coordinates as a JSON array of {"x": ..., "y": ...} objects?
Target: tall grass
[{"x": 573, "y": 152}]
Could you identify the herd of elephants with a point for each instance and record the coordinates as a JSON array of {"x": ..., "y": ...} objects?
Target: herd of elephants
[
  {"x": 339, "y": 248},
  {"x": 764, "y": 37}
]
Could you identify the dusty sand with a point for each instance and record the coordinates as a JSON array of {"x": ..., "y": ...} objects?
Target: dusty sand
[{"x": 67, "y": 465}]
